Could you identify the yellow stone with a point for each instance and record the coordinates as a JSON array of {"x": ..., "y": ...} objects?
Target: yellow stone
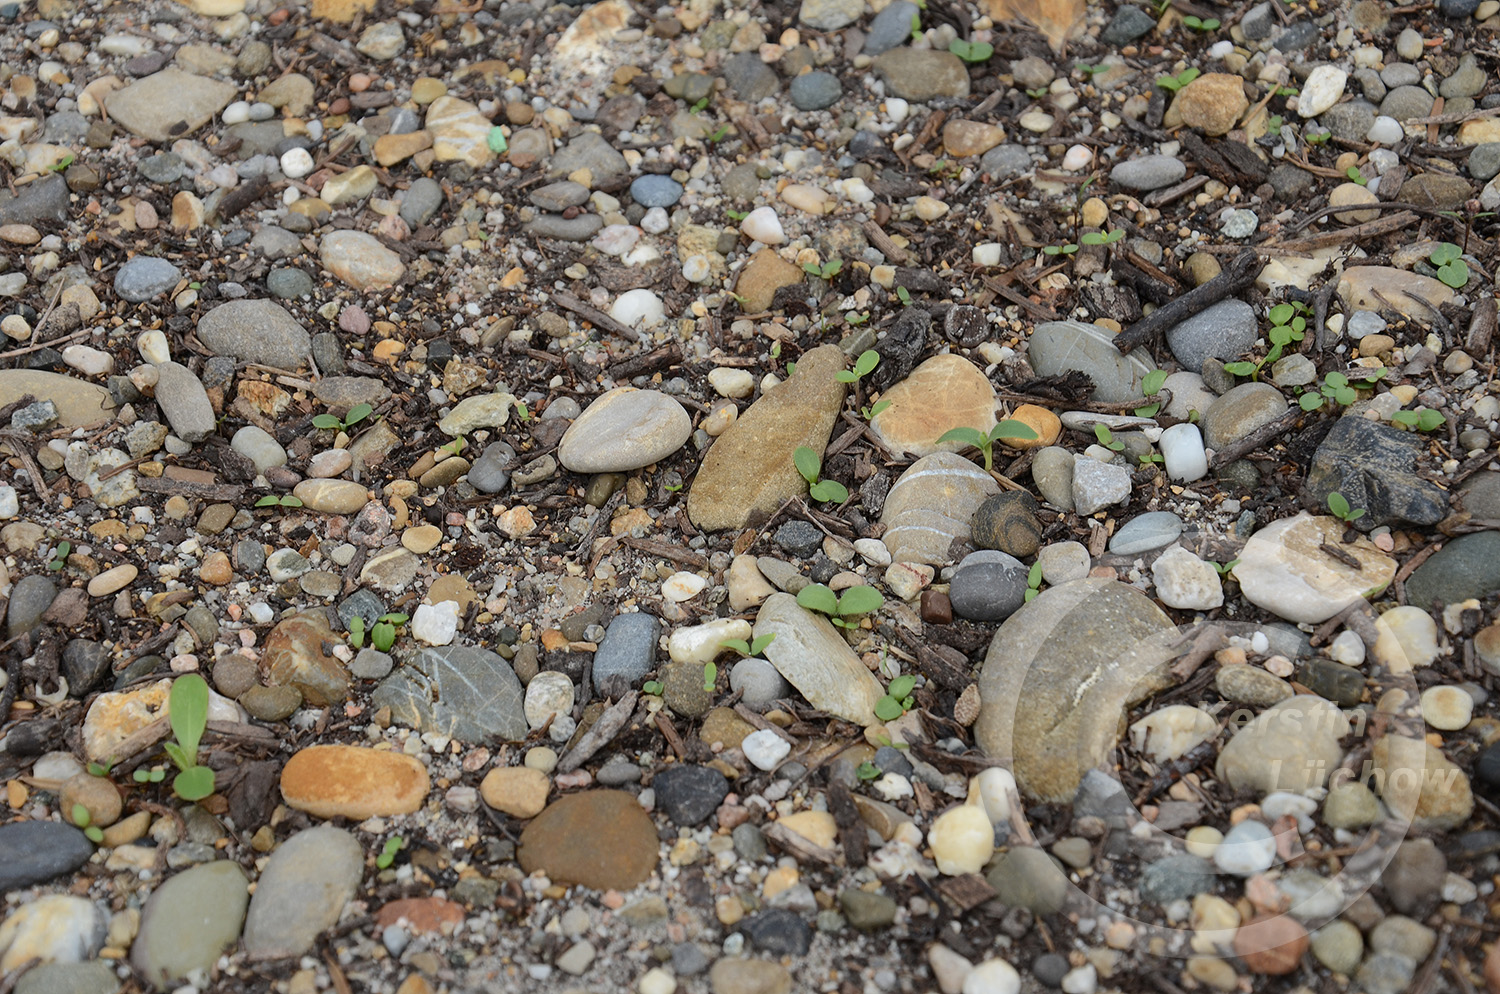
[
  {"x": 1040, "y": 420},
  {"x": 945, "y": 392},
  {"x": 519, "y": 791},
  {"x": 962, "y": 139},
  {"x": 422, "y": 539},
  {"x": 1212, "y": 102},
  {"x": 817, "y": 827},
  {"x": 763, "y": 275},
  {"x": 1351, "y": 194},
  {"x": 427, "y": 89},
  {"x": 341, "y": 11},
  {"x": 391, "y": 149},
  {"x": 339, "y": 781}
]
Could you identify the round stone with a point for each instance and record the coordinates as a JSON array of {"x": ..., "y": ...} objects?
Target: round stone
[
  {"x": 519, "y": 791},
  {"x": 548, "y": 696},
  {"x": 624, "y": 430},
  {"x": 1008, "y": 522},
  {"x": 1446, "y": 708}
]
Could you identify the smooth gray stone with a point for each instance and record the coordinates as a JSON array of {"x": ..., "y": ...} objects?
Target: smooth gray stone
[
  {"x": 302, "y": 891},
  {"x": 457, "y": 690}
]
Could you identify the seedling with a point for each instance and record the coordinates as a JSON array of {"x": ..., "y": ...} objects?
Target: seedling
[
  {"x": 1355, "y": 176},
  {"x": 60, "y": 556},
  {"x": 1102, "y": 237},
  {"x": 1067, "y": 248},
  {"x": 1274, "y": 122},
  {"x": 897, "y": 700},
  {"x": 985, "y": 442},
  {"x": 752, "y": 648},
  {"x": 383, "y": 634},
  {"x": 1289, "y": 91},
  {"x": 454, "y": 447},
  {"x": 1288, "y": 325},
  {"x": 1107, "y": 438},
  {"x": 697, "y": 107},
  {"x": 867, "y": 771},
  {"x": 83, "y": 820},
  {"x": 710, "y": 676},
  {"x": 1335, "y": 388},
  {"x": 1422, "y": 419},
  {"x": 671, "y": 488},
  {"x": 356, "y": 414},
  {"x": 1318, "y": 138},
  {"x": 61, "y": 164},
  {"x": 809, "y": 465},
  {"x": 903, "y": 295},
  {"x": 99, "y": 769},
  {"x": 719, "y": 135},
  {"x": 357, "y": 632},
  {"x": 187, "y": 711},
  {"x": 855, "y": 601},
  {"x": 1091, "y": 70},
  {"x": 1037, "y": 94},
  {"x": 1339, "y": 505},
  {"x": 523, "y": 413},
  {"x": 286, "y": 500},
  {"x": 1175, "y": 83},
  {"x": 653, "y": 687},
  {"x": 1151, "y": 457},
  {"x": 866, "y": 363},
  {"x": 826, "y": 271},
  {"x": 154, "y": 775},
  {"x": 1033, "y": 581},
  {"x": 1201, "y": 24},
  {"x": 1224, "y": 569},
  {"x": 1451, "y": 268},
  {"x": 857, "y": 319},
  {"x": 869, "y": 413},
  {"x": 388, "y": 852},
  {"x": 916, "y": 27},
  {"x": 971, "y": 51},
  {"x": 735, "y": 215},
  {"x": 1150, "y": 387}
]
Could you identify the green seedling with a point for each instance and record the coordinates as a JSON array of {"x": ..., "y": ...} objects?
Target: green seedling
[
  {"x": 826, "y": 271},
  {"x": 971, "y": 51},
  {"x": 83, "y": 820},
  {"x": 61, "y": 164},
  {"x": 867, "y": 771},
  {"x": 1200, "y": 23},
  {"x": 1175, "y": 83},
  {"x": 1355, "y": 176},
  {"x": 1451, "y": 268},
  {"x": 1224, "y": 569},
  {"x": 863, "y": 366},
  {"x": 1335, "y": 388},
  {"x": 154, "y": 775},
  {"x": 735, "y": 215},
  {"x": 1107, "y": 438},
  {"x": 1318, "y": 138},
  {"x": 388, "y": 852},
  {"x": 856, "y": 319},
  {"x": 357, "y": 632},
  {"x": 60, "y": 556},
  {"x": 329, "y": 422},
  {"x": 383, "y": 634},
  {"x": 1289, "y": 91},
  {"x": 1067, "y": 248},
  {"x": 187, "y": 712},
  {"x": 855, "y": 601},
  {"x": 1091, "y": 70},
  {"x": 99, "y": 769},
  {"x": 286, "y": 500},
  {"x": 903, "y": 295},
  {"x": 809, "y": 465},
  {"x": 698, "y": 107},
  {"x": 1338, "y": 504},
  {"x": 454, "y": 447},
  {"x": 1102, "y": 237},
  {"x": 1288, "y": 325},
  {"x": 1274, "y": 123},
  {"x": 916, "y": 27},
  {"x": 869, "y": 413},
  {"x": 653, "y": 687},
  {"x": 897, "y": 700},
  {"x": 710, "y": 676},
  {"x": 1037, "y": 94},
  {"x": 1151, "y": 457},
  {"x": 523, "y": 413},
  {"x": 752, "y": 648},
  {"x": 985, "y": 441},
  {"x": 1422, "y": 419},
  {"x": 1033, "y": 581},
  {"x": 1150, "y": 387},
  {"x": 719, "y": 135},
  {"x": 671, "y": 488}
]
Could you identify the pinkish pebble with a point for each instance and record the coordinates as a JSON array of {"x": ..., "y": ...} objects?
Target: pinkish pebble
[{"x": 578, "y": 778}]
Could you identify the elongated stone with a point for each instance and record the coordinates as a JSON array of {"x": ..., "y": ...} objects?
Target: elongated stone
[
  {"x": 809, "y": 651},
  {"x": 931, "y": 505}
]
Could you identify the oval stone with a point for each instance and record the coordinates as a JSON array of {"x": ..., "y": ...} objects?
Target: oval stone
[
  {"x": 599, "y": 838},
  {"x": 112, "y": 580},
  {"x": 332, "y": 496},
  {"x": 623, "y": 430},
  {"x": 352, "y": 782}
]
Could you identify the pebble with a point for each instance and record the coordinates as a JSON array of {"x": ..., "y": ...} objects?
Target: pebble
[
  {"x": 1186, "y": 582},
  {"x": 688, "y": 794},
  {"x": 54, "y": 928},
  {"x": 762, "y": 225},
  {"x": 144, "y": 277},
  {"x": 628, "y": 648},
  {"x": 624, "y": 430},
  {"x": 1224, "y": 331},
  {"x": 37, "y": 851},
  {"x": 518, "y": 791},
  {"x": 1063, "y": 562},
  {"x": 1008, "y": 522},
  {"x": 332, "y": 781},
  {"x": 988, "y": 586},
  {"x": 259, "y": 331},
  {"x": 995, "y": 976},
  {"x": 1249, "y": 848},
  {"x": 1058, "y": 347},
  {"x": 189, "y": 921},
  {"x": 302, "y": 891},
  {"x": 461, "y": 691},
  {"x": 1292, "y": 745},
  {"x": 815, "y": 91},
  {"x": 765, "y": 749},
  {"x": 1145, "y": 532},
  {"x": 1097, "y": 485},
  {"x": 811, "y": 654},
  {"x": 1282, "y": 571},
  {"x": 1148, "y": 172}
]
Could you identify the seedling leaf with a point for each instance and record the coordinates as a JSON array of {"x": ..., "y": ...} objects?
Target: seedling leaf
[
  {"x": 860, "y": 600},
  {"x": 888, "y": 709},
  {"x": 902, "y": 686},
  {"x": 187, "y": 710},
  {"x": 817, "y": 597},
  {"x": 194, "y": 783},
  {"x": 326, "y": 421},
  {"x": 808, "y": 463},
  {"x": 1339, "y": 505}
]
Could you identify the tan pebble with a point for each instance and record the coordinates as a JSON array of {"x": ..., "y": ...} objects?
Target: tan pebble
[
  {"x": 353, "y": 782},
  {"x": 422, "y": 539},
  {"x": 112, "y": 580},
  {"x": 97, "y": 795},
  {"x": 519, "y": 791},
  {"x": 127, "y": 830},
  {"x": 817, "y": 827},
  {"x": 216, "y": 570}
]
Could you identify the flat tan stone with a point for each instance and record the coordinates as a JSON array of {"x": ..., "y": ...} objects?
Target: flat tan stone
[
  {"x": 341, "y": 11},
  {"x": 336, "y": 781},
  {"x": 966, "y": 138},
  {"x": 598, "y": 838},
  {"x": 78, "y": 401},
  {"x": 391, "y": 149},
  {"x": 459, "y": 132},
  {"x": 763, "y": 275},
  {"x": 1353, "y": 195},
  {"x": 519, "y": 791},
  {"x": 332, "y": 496},
  {"x": 1412, "y": 294},
  {"x": 945, "y": 392},
  {"x": 112, "y": 580}
]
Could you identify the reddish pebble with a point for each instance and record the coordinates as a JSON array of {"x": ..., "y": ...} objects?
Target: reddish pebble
[
  {"x": 937, "y": 609},
  {"x": 1272, "y": 945},
  {"x": 360, "y": 82},
  {"x": 572, "y": 212},
  {"x": 354, "y": 320},
  {"x": 279, "y": 16},
  {"x": 455, "y": 519},
  {"x": 578, "y": 778},
  {"x": 340, "y": 105}
]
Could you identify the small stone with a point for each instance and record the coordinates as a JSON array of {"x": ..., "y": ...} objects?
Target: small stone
[
  {"x": 1186, "y": 582},
  {"x": 518, "y": 791},
  {"x": 353, "y": 782},
  {"x": 1008, "y": 522}
]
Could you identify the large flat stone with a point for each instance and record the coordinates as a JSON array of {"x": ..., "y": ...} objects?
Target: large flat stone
[
  {"x": 814, "y": 658},
  {"x": 78, "y": 401},
  {"x": 168, "y": 105},
  {"x": 458, "y": 690}
]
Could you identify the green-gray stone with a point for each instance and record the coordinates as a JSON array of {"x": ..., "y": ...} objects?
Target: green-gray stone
[
  {"x": 867, "y": 911},
  {"x": 1343, "y": 685},
  {"x": 190, "y": 920},
  {"x": 1350, "y": 805},
  {"x": 1029, "y": 878},
  {"x": 1465, "y": 567}
]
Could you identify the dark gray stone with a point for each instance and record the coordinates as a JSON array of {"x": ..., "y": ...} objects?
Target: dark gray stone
[
  {"x": 1005, "y": 161},
  {"x": 799, "y": 538},
  {"x": 890, "y": 28},
  {"x": 260, "y": 331},
  {"x": 422, "y": 200},
  {"x": 654, "y": 190},
  {"x": 988, "y": 586},
  {"x": 289, "y": 284},
  {"x": 1297, "y": 36},
  {"x": 33, "y": 852},
  {"x": 688, "y": 794},
  {"x": 779, "y": 932},
  {"x": 1176, "y": 878},
  {"x": 489, "y": 474},
  {"x": 1343, "y": 685},
  {"x": 29, "y": 600},
  {"x": 1258, "y": 22},
  {"x": 44, "y": 200},
  {"x": 749, "y": 78},
  {"x": 816, "y": 90},
  {"x": 1222, "y": 331},
  {"x": 1466, "y": 567},
  {"x": 1374, "y": 466},
  {"x": 1349, "y": 120},
  {"x": 628, "y": 648},
  {"x": 84, "y": 663},
  {"x": 1128, "y": 24}
]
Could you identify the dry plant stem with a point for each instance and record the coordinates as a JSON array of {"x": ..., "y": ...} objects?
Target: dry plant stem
[{"x": 1235, "y": 277}]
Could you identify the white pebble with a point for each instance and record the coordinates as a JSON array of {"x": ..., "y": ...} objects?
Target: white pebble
[
  {"x": 765, "y": 749},
  {"x": 1407, "y": 637},
  {"x": 896, "y": 109},
  {"x": 696, "y": 269},
  {"x": 1447, "y": 709},
  {"x": 1248, "y": 849},
  {"x": 1186, "y": 582},
  {"x": 703, "y": 643},
  {"x": 237, "y": 112},
  {"x": 262, "y": 111},
  {"x": 1221, "y": 49},
  {"x": 549, "y": 694},
  {"x": 683, "y": 586},
  {"x": 962, "y": 840},
  {"x": 10, "y": 502},
  {"x": 930, "y": 208},
  {"x": 1171, "y": 732},
  {"x": 616, "y": 239},
  {"x": 993, "y": 976},
  {"x": 1385, "y": 130},
  {"x": 655, "y": 221},
  {"x": 1182, "y": 452},
  {"x": 657, "y": 980},
  {"x": 1322, "y": 90},
  {"x": 986, "y": 254},
  {"x": 1077, "y": 158},
  {"x": 88, "y": 361},
  {"x": 730, "y": 382},
  {"x": 873, "y": 551},
  {"x": 1081, "y": 980},
  {"x": 763, "y": 226},
  {"x": 993, "y": 788},
  {"x": 1348, "y": 648},
  {"x": 1283, "y": 802},
  {"x": 153, "y": 347},
  {"x": 296, "y": 163},
  {"x": 639, "y": 308},
  {"x": 435, "y": 624}
]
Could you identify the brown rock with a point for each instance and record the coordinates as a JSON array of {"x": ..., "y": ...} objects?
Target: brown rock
[
  {"x": 391, "y": 149},
  {"x": 726, "y": 726},
  {"x": 351, "y": 782},
  {"x": 1418, "y": 782},
  {"x": 600, "y": 839},
  {"x": 294, "y": 654},
  {"x": 763, "y": 275},
  {"x": 97, "y": 795},
  {"x": 1213, "y": 103},
  {"x": 749, "y": 471},
  {"x": 965, "y": 138},
  {"x": 1048, "y": 427},
  {"x": 422, "y": 914},
  {"x": 216, "y": 570},
  {"x": 945, "y": 392},
  {"x": 1271, "y": 945},
  {"x": 1436, "y": 190},
  {"x": 519, "y": 791},
  {"x": 1412, "y": 294}
]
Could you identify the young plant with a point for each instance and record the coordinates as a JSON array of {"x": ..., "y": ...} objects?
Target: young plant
[
  {"x": 1200, "y": 23},
  {"x": 653, "y": 687},
  {"x": 710, "y": 676},
  {"x": 286, "y": 500},
  {"x": 856, "y": 319},
  {"x": 1175, "y": 83},
  {"x": 99, "y": 769},
  {"x": 863, "y": 366},
  {"x": 1102, "y": 237},
  {"x": 1091, "y": 71},
  {"x": 719, "y": 135},
  {"x": 81, "y": 817},
  {"x": 1067, "y": 248},
  {"x": 735, "y": 215},
  {"x": 1224, "y": 569},
  {"x": 1338, "y": 504},
  {"x": 809, "y": 465},
  {"x": 187, "y": 711},
  {"x": 388, "y": 852},
  {"x": 454, "y": 447},
  {"x": 869, "y": 413},
  {"x": 1317, "y": 138},
  {"x": 60, "y": 556},
  {"x": 1451, "y": 268},
  {"x": 154, "y": 775},
  {"x": 826, "y": 271},
  {"x": 1107, "y": 438},
  {"x": 1039, "y": 93},
  {"x": 971, "y": 51},
  {"x": 752, "y": 648},
  {"x": 897, "y": 700},
  {"x": 985, "y": 442},
  {"x": 1150, "y": 387},
  {"x": 1355, "y": 176},
  {"x": 867, "y": 771},
  {"x": 356, "y": 414},
  {"x": 903, "y": 295},
  {"x": 1033, "y": 582},
  {"x": 1422, "y": 419},
  {"x": 383, "y": 634},
  {"x": 855, "y": 601},
  {"x": 357, "y": 632},
  {"x": 1288, "y": 325},
  {"x": 523, "y": 413},
  {"x": 1335, "y": 388}
]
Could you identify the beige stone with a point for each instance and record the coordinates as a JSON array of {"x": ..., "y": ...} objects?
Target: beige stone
[
  {"x": 1416, "y": 781},
  {"x": 459, "y": 132},
  {"x": 341, "y": 11},
  {"x": 336, "y": 781},
  {"x": 945, "y": 392},
  {"x": 962, "y": 139},
  {"x": 519, "y": 791},
  {"x": 1212, "y": 102},
  {"x": 1349, "y": 195},
  {"x": 763, "y": 275},
  {"x": 1412, "y": 294},
  {"x": 1048, "y": 427},
  {"x": 332, "y": 496},
  {"x": 393, "y": 149}
]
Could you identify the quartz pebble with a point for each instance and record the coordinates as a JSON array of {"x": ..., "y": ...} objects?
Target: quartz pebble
[
  {"x": 765, "y": 749},
  {"x": 962, "y": 840}
]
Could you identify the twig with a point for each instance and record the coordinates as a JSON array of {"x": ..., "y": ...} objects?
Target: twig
[
  {"x": 19, "y": 445},
  {"x": 882, "y": 241},
  {"x": 1235, "y": 277},
  {"x": 603, "y": 321},
  {"x": 1257, "y": 438},
  {"x": 1359, "y": 232},
  {"x": 600, "y": 733}
]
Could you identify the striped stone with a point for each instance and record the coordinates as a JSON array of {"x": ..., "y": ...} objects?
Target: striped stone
[{"x": 931, "y": 505}]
